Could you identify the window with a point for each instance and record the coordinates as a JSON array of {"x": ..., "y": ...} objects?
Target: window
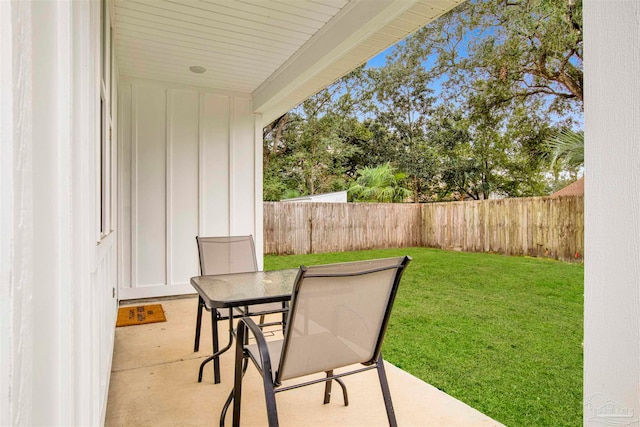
[{"x": 105, "y": 151}]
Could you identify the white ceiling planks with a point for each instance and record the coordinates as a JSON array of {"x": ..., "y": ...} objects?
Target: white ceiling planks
[
  {"x": 278, "y": 51},
  {"x": 240, "y": 43}
]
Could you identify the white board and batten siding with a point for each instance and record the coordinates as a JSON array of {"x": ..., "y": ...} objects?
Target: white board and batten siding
[
  {"x": 58, "y": 273},
  {"x": 190, "y": 165},
  {"x": 612, "y": 213}
]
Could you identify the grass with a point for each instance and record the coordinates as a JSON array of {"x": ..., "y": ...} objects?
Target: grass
[{"x": 502, "y": 334}]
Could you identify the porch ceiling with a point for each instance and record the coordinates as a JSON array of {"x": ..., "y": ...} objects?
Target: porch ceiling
[{"x": 279, "y": 51}]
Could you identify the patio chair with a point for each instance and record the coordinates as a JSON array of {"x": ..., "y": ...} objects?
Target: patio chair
[
  {"x": 223, "y": 255},
  {"x": 338, "y": 317}
]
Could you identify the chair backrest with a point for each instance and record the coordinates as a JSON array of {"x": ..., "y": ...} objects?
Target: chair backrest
[
  {"x": 338, "y": 316},
  {"x": 228, "y": 254}
]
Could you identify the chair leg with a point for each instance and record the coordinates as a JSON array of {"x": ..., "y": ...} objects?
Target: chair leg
[
  {"x": 227, "y": 404},
  {"x": 267, "y": 378},
  {"x": 270, "y": 398},
  {"x": 344, "y": 391},
  {"x": 236, "y": 393},
  {"x": 386, "y": 394},
  {"x": 327, "y": 388},
  {"x": 196, "y": 344}
]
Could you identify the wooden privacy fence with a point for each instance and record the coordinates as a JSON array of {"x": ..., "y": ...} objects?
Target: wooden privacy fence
[
  {"x": 305, "y": 228},
  {"x": 540, "y": 226}
]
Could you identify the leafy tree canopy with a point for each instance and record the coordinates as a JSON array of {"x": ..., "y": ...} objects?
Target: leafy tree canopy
[
  {"x": 505, "y": 51},
  {"x": 461, "y": 109}
]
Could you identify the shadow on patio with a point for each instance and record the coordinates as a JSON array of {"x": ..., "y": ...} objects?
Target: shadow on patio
[{"x": 154, "y": 382}]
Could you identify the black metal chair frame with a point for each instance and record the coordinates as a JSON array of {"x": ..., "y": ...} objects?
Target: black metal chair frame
[
  {"x": 216, "y": 316},
  {"x": 273, "y": 385}
]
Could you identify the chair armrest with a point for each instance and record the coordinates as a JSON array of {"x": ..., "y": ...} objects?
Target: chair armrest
[{"x": 263, "y": 349}]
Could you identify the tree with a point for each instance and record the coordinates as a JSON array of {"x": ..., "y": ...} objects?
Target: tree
[
  {"x": 566, "y": 154},
  {"x": 509, "y": 70},
  {"x": 483, "y": 153},
  {"x": 372, "y": 142},
  {"x": 402, "y": 102},
  {"x": 506, "y": 73},
  {"x": 567, "y": 149},
  {"x": 319, "y": 154},
  {"x": 508, "y": 50},
  {"x": 379, "y": 184},
  {"x": 310, "y": 149}
]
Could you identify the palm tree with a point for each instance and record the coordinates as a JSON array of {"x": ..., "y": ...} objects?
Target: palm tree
[
  {"x": 567, "y": 149},
  {"x": 379, "y": 184}
]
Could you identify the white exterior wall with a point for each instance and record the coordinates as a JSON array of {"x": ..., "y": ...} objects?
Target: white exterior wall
[
  {"x": 612, "y": 213},
  {"x": 191, "y": 164},
  {"x": 58, "y": 308}
]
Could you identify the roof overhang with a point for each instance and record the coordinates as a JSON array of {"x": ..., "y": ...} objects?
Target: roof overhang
[
  {"x": 362, "y": 30},
  {"x": 280, "y": 53}
]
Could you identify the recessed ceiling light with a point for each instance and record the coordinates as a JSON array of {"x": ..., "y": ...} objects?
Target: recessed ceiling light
[{"x": 197, "y": 69}]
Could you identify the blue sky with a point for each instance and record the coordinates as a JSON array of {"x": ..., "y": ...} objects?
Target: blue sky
[{"x": 380, "y": 59}]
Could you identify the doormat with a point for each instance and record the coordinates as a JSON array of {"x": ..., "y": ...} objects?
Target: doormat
[{"x": 128, "y": 316}]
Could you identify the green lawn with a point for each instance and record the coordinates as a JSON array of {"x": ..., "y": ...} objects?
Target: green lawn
[{"x": 502, "y": 334}]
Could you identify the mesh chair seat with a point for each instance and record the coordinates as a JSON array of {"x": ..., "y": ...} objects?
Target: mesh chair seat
[
  {"x": 266, "y": 308},
  {"x": 315, "y": 361}
]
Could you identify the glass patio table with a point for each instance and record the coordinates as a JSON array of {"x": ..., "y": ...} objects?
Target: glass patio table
[{"x": 235, "y": 290}]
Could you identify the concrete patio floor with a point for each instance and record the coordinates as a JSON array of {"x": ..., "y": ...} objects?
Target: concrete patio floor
[{"x": 154, "y": 383}]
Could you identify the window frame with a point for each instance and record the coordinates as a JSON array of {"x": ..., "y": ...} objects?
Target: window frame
[{"x": 105, "y": 151}]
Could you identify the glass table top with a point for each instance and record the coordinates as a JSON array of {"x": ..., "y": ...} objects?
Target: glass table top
[{"x": 238, "y": 289}]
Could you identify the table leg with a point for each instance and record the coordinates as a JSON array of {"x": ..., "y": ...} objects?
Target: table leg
[
  {"x": 216, "y": 351},
  {"x": 196, "y": 345},
  {"x": 216, "y": 347}
]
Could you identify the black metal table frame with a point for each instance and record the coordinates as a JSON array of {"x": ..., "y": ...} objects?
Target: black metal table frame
[{"x": 251, "y": 296}]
